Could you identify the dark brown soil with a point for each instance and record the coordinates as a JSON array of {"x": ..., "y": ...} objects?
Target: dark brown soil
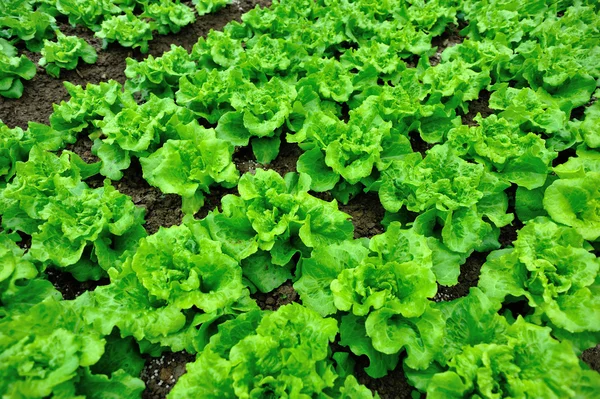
[
  {"x": 508, "y": 234},
  {"x": 42, "y": 91},
  {"x": 366, "y": 212},
  {"x": 68, "y": 286},
  {"x": 161, "y": 373},
  {"x": 245, "y": 161},
  {"x": 469, "y": 277},
  {"x": 418, "y": 144},
  {"x": 451, "y": 37},
  {"x": 161, "y": 209},
  {"x": 25, "y": 242},
  {"x": 83, "y": 148},
  {"x": 283, "y": 295},
  {"x": 592, "y": 357},
  {"x": 579, "y": 112},
  {"x": 564, "y": 156},
  {"x": 287, "y": 158},
  {"x": 284, "y": 163},
  {"x": 479, "y": 106},
  {"x": 392, "y": 386},
  {"x": 212, "y": 200}
]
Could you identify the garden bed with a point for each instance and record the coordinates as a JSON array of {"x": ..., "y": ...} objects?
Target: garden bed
[{"x": 164, "y": 210}]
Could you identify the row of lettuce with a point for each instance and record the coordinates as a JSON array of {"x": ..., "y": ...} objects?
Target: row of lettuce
[
  {"x": 175, "y": 289},
  {"x": 33, "y": 24},
  {"x": 358, "y": 112}
]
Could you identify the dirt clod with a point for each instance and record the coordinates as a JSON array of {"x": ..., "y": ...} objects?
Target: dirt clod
[
  {"x": 281, "y": 296},
  {"x": 161, "y": 373},
  {"x": 68, "y": 286},
  {"x": 366, "y": 212},
  {"x": 469, "y": 277},
  {"x": 451, "y": 37}
]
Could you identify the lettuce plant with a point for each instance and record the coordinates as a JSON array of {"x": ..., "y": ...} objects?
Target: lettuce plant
[
  {"x": 65, "y": 54},
  {"x": 271, "y": 56},
  {"x": 19, "y": 20},
  {"x": 259, "y": 111},
  {"x": 277, "y": 215},
  {"x": 551, "y": 266},
  {"x": 208, "y": 93},
  {"x": 218, "y": 50},
  {"x": 128, "y": 30},
  {"x": 15, "y": 145},
  {"x": 522, "y": 158},
  {"x": 88, "y": 105},
  {"x": 485, "y": 355},
  {"x": 385, "y": 290},
  {"x": 534, "y": 111},
  {"x": 177, "y": 155},
  {"x": 198, "y": 273},
  {"x": 168, "y": 16},
  {"x": 454, "y": 83},
  {"x": 250, "y": 357},
  {"x": 87, "y": 13},
  {"x": 10, "y": 150},
  {"x": 174, "y": 290},
  {"x": 159, "y": 76},
  {"x": 48, "y": 351},
  {"x": 48, "y": 200},
  {"x": 135, "y": 130},
  {"x": 444, "y": 186},
  {"x": 350, "y": 150},
  {"x": 12, "y": 70},
  {"x": 190, "y": 165},
  {"x": 587, "y": 128},
  {"x": 573, "y": 200},
  {"x": 21, "y": 285},
  {"x": 329, "y": 78},
  {"x": 204, "y": 7}
]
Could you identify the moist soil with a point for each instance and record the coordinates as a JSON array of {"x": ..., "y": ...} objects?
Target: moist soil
[
  {"x": 161, "y": 373},
  {"x": 283, "y": 295},
  {"x": 451, "y": 37},
  {"x": 42, "y": 91}
]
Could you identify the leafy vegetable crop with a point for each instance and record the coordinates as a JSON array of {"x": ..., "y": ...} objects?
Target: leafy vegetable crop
[
  {"x": 131, "y": 23},
  {"x": 354, "y": 85}
]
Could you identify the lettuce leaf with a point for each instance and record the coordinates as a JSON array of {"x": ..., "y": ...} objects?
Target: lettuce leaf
[
  {"x": 48, "y": 200},
  {"x": 44, "y": 349},
  {"x": 278, "y": 215},
  {"x": 188, "y": 167},
  {"x": 160, "y": 75},
  {"x": 259, "y": 111},
  {"x": 324, "y": 266},
  {"x": 522, "y": 158},
  {"x": 574, "y": 202},
  {"x": 450, "y": 191},
  {"x": 65, "y": 54},
  {"x": 530, "y": 362},
  {"x": 249, "y": 357},
  {"x": 12, "y": 70},
  {"x": 185, "y": 270},
  {"x": 168, "y": 16},
  {"x": 89, "y": 105},
  {"x": 128, "y": 29},
  {"x": 553, "y": 268},
  {"x": 137, "y": 130},
  {"x": 208, "y": 93}
]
